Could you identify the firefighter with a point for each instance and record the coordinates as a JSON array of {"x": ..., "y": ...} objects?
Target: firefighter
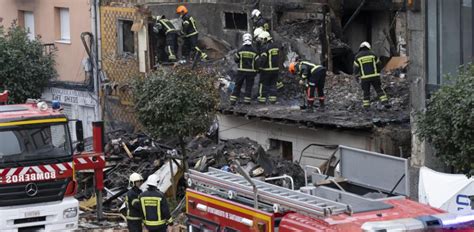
[
  {"x": 269, "y": 64},
  {"x": 259, "y": 21},
  {"x": 367, "y": 68},
  {"x": 313, "y": 77},
  {"x": 190, "y": 33},
  {"x": 164, "y": 27},
  {"x": 246, "y": 58},
  {"x": 133, "y": 215},
  {"x": 154, "y": 207}
]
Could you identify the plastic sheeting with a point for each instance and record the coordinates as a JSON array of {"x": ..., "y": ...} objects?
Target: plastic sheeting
[{"x": 451, "y": 192}]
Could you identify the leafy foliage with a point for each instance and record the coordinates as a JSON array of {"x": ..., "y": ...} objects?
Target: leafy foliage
[
  {"x": 448, "y": 123},
  {"x": 179, "y": 103},
  {"x": 24, "y": 69}
]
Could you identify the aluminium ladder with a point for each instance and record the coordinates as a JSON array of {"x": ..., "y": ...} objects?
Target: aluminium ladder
[{"x": 268, "y": 193}]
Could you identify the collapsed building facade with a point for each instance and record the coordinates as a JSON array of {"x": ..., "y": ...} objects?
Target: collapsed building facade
[{"x": 325, "y": 32}]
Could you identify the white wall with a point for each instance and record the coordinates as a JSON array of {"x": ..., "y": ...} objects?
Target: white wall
[
  {"x": 231, "y": 127},
  {"x": 77, "y": 105}
]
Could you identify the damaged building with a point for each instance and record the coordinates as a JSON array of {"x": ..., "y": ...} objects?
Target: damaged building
[{"x": 321, "y": 31}]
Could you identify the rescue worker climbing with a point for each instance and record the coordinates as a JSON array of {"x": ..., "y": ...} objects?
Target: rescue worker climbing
[
  {"x": 259, "y": 21},
  {"x": 269, "y": 65},
  {"x": 154, "y": 207},
  {"x": 246, "y": 58},
  {"x": 367, "y": 68},
  {"x": 313, "y": 77},
  {"x": 164, "y": 27},
  {"x": 190, "y": 33},
  {"x": 133, "y": 213}
]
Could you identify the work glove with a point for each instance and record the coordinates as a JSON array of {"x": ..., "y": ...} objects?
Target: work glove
[
  {"x": 303, "y": 82},
  {"x": 357, "y": 79}
]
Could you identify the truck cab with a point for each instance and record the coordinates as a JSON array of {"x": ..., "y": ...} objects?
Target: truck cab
[{"x": 37, "y": 181}]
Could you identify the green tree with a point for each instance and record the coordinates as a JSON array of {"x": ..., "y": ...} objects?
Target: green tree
[
  {"x": 178, "y": 103},
  {"x": 448, "y": 123},
  {"x": 24, "y": 68}
]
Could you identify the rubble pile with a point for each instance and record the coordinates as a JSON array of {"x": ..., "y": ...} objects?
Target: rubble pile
[
  {"x": 128, "y": 153},
  {"x": 251, "y": 156},
  {"x": 305, "y": 31}
]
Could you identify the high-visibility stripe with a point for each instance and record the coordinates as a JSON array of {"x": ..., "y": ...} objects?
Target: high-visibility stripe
[
  {"x": 356, "y": 64},
  {"x": 166, "y": 22},
  {"x": 133, "y": 218},
  {"x": 366, "y": 60},
  {"x": 153, "y": 202},
  {"x": 191, "y": 34},
  {"x": 28, "y": 122},
  {"x": 369, "y": 76}
]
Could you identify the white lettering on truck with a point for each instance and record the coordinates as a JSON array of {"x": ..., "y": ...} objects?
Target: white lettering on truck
[{"x": 29, "y": 177}]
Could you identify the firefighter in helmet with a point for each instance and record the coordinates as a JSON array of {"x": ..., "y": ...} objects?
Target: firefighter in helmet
[
  {"x": 245, "y": 58},
  {"x": 133, "y": 215},
  {"x": 367, "y": 67},
  {"x": 154, "y": 207},
  {"x": 259, "y": 21},
  {"x": 313, "y": 76},
  {"x": 269, "y": 64},
  {"x": 190, "y": 33},
  {"x": 164, "y": 28}
]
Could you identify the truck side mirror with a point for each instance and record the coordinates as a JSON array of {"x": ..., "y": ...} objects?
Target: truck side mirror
[{"x": 79, "y": 136}]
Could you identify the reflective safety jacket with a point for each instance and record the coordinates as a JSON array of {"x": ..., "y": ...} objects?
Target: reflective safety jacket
[
  {"x": 189, "y": 26},
  {"x": 269, "y": 59},
  {"x": 166, "y": 26},
  {"x": 154, "y": 207},
  {"x": 246, "y": 57},
  {"x": 133, "y": 205},
  {"x": 308, "y": 70},
  {"x": 261, "y": 22},
  {"x": 366, "y": 64}
]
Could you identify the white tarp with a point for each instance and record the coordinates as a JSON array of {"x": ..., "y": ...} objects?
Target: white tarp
[{"x": 450, "y": 192}]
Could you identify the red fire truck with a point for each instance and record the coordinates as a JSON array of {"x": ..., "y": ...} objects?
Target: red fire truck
[
  {"x": 37, "y": 168},
  {"x": 222, "y": 201}
]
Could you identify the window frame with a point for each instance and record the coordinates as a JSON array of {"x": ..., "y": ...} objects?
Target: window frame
[{"x": 120, "y": 38}]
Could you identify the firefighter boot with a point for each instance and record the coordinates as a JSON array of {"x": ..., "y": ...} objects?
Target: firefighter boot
[
  {"x": 322, "y": 105},
  {"x": 309, "y": 107}
]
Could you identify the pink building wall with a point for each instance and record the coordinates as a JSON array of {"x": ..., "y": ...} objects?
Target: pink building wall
[{"x": 69, "y": 56}]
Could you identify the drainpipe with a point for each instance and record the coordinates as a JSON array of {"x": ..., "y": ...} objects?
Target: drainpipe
[{"x": 95, "y": 24}]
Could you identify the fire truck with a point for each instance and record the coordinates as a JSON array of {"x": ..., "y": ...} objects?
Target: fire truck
[
  {"x": 38, "y": 165},
  {"x": 220, "y": 201}
]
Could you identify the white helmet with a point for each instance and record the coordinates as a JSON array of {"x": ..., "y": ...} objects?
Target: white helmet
[
  {"x": 153, "y": 180},
  {"x": 365, "y": 44},
  {"x": 246, "y": 36},
  {"x": 255, "y": 13},
  {"x": 257, "y": 32},
  {"x": 134, "y": 177},
  {"x": 264, "y": 36}
]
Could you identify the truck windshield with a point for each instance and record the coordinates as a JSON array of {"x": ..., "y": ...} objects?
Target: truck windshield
[{"x": 30, "y": 143}]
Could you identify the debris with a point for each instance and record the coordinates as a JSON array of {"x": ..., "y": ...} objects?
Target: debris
[
  {"x": 127, "y": 150},
  {"x": 396, "y": 62}
]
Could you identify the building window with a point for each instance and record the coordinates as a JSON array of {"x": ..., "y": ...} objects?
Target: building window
[
  {"x": 63, "y": 25},
  {"x": 282, "y": 148},
  {"x": 235, "y": 21},
  {"x": 28, "y": 23},
  {"x": 449, "y": 38},
  {"x": 126, "y": 42}
]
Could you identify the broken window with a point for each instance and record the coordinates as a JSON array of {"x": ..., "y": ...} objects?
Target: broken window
[
  {"x": 126, "y": 42},
  {"x": 282, "y": 148},
  {"x": 235, "y": 21}
]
